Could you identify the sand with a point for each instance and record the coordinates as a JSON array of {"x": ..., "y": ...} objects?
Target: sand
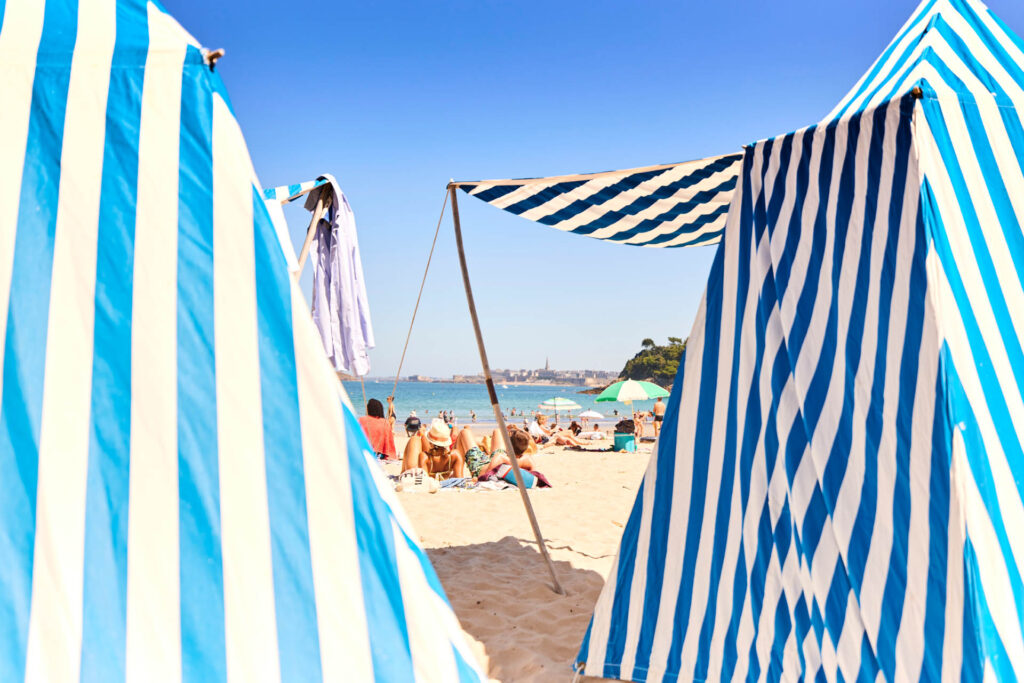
[{"x": 482, "y": 547}]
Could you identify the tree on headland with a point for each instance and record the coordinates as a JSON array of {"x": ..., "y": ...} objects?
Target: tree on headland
[{"x": 654, "y": 363}]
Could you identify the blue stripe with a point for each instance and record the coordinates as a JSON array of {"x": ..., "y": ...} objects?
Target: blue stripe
[
  {"x": 106, "y": 516},
  {"x": 297, "y": 634},
  {"x": 25, "y": 337},
  {"x": 202, "y": 590}
]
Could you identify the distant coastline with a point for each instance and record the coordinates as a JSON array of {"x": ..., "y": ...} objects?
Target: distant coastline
[{"x": 545, "y": 377}]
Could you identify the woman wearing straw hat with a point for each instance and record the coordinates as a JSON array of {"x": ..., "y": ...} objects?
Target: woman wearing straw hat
[{"x": 434, "y": 452}]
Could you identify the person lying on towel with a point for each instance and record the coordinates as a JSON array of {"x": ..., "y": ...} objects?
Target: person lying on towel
[
  {"x": 490, "y": 451},
  {"x": 434, "y": 452}
]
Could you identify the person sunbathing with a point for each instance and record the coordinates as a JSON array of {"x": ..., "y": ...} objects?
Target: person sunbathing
[
  {"x": 521, "y": 442},
  {"x": 539, "y": 430},
  {"x": 490, "y": 452},
  {"x": 532, "y": 446},
  {"x": 434, "y": 452},
  {"x": 564, "y": 437}
]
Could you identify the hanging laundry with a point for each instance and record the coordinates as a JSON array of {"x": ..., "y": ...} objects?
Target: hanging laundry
[{"x": 341, "y": 310}]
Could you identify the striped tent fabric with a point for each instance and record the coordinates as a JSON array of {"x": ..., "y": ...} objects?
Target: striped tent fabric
[
  {"x": 184, "y": 494},
  {"x": 838, "y": 490},
  {"x": 289, "y": 193},
  {"x": 674, "y": 205}
]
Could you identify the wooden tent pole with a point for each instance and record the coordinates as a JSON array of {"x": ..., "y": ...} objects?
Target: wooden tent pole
[
  {"x": 318, "y": 213},
  {"x": 494, "y": 395}
]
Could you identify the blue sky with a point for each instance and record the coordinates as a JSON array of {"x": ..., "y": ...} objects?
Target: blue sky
[{"x": 396, "y": 98}]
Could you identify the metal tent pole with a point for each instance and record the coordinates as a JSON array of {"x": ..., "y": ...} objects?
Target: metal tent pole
[{"x": 494, "y": 395}]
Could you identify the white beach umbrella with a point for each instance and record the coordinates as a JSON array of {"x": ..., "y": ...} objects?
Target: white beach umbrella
[{"x": 592, "y": 415}]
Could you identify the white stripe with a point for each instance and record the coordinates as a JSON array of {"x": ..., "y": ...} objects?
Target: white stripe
[
  {"x": 19, "y": 40},
  {"x": 250, "y": 626},
  {"x": 337, "y": 583},
  {"x": 952, "y": 641},
  {"x": 153, "y": 631},
  {"x": 55, "y": 624}
]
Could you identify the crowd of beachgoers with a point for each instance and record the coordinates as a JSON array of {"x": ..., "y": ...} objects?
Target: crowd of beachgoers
[{"x": 441, "y": 449}]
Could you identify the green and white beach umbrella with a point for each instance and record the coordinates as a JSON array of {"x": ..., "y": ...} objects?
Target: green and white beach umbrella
[{"x": 630, "y": 390}]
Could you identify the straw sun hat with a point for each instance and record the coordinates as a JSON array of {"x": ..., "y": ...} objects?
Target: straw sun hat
[{"x": 439, "y": 434}]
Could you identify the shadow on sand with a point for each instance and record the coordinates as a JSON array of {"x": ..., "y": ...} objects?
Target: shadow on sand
[{"x": 502, "y": 595}]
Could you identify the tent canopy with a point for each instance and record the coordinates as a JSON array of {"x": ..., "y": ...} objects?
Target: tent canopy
[
  {"x": 673, "y": 205},
  {"x": 184, "y": 494}
]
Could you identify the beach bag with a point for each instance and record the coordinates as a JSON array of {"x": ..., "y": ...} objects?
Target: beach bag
[
  {"x": 625, "y": 427},
  {"x": 508, "y": 474}
]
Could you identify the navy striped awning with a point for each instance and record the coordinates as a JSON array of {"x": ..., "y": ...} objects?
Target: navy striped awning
[{"x": 673, "y": 205}]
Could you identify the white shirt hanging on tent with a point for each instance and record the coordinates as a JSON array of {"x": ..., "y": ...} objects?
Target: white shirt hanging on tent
[{"x": 341, "y": 310}]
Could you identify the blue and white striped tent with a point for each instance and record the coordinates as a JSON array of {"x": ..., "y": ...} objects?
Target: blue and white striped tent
[
  {"x": 184, "y": 496},
  {"x": 289, "y": 193},
  {"x": 838, "y": 490}
]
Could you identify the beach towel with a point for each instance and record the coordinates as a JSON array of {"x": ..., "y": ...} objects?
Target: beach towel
[{"x": 505, "y": 473}]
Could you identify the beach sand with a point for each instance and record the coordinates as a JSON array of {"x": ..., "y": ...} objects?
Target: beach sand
[{"x": 483, "y": 549}]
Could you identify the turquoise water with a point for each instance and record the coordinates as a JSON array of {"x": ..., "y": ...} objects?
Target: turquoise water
[{"x": 461, "y": 398}]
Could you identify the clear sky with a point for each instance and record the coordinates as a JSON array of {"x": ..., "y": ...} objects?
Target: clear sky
[{"x": 396, "y": 98}]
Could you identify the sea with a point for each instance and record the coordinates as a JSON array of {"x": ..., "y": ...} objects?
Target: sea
[{"x": 429, "y": 399}]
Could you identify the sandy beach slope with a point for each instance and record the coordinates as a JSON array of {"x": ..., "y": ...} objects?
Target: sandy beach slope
[{"x": 482, "y": 547}]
